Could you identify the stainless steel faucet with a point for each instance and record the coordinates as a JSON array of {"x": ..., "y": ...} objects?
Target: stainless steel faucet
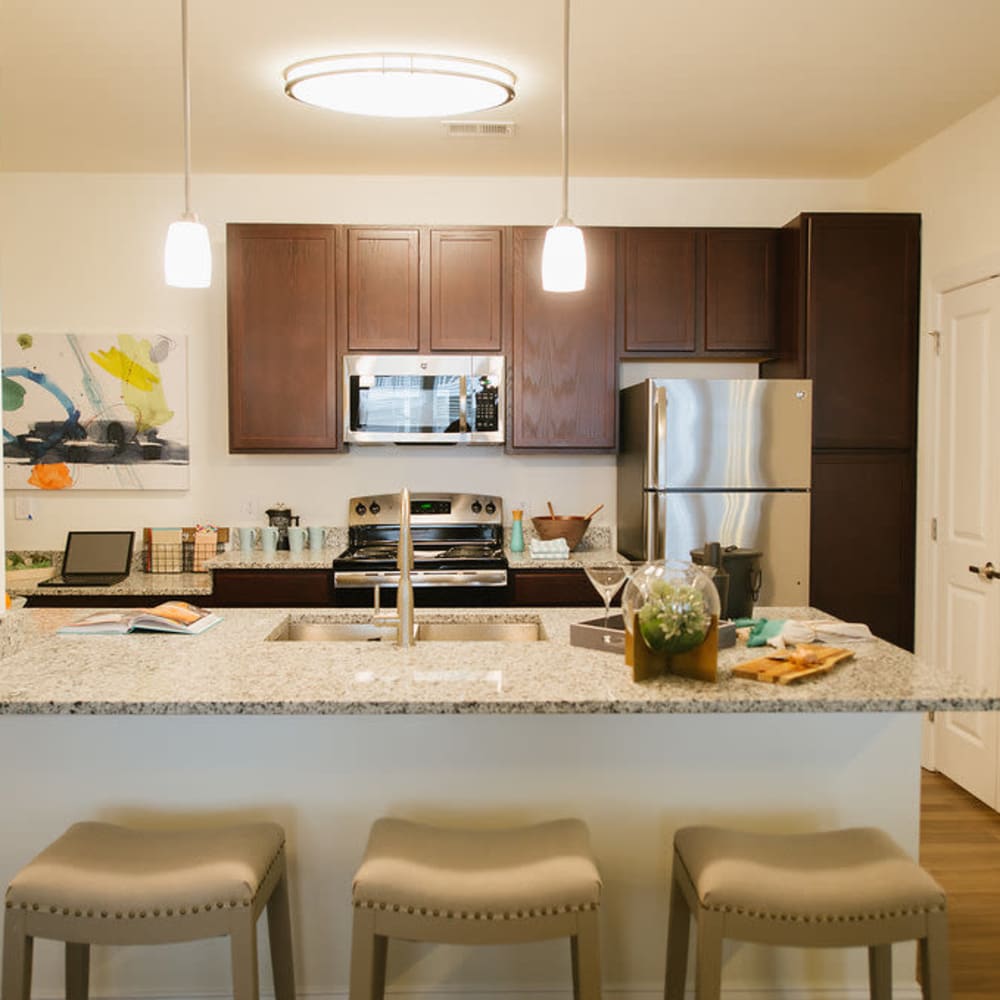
[{"x": 403, "y": 618}]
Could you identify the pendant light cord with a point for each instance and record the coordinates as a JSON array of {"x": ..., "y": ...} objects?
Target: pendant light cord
[
  {"x": 565, "y": 114},
  {"x": 186, "y": 73}
]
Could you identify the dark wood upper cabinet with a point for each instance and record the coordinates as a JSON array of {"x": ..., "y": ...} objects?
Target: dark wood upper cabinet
[
  {"x": 282, "y": 338},
  {"x": 383, "y": 290},
  {"x": 563, "y": 371},
  {"x": 851, "y": 293},
  {"x": 698, "y": 292},
  {"x": 466, "y": 284},
  {"x": 740, "y": 289},
  {"x": 424, "y": 289},
  {"x": 661, "y": 290}
]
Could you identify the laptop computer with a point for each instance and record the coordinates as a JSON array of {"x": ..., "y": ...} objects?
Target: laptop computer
[{"x": 94, "y": 559}]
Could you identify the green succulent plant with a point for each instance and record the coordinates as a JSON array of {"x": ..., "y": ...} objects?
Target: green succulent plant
[{"x": 675, "y": 617}]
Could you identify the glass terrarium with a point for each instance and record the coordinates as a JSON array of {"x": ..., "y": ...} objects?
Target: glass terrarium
[{"x": 671, "y": 609}]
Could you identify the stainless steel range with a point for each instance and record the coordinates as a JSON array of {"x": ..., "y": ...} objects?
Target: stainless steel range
[{"x": 457, "y": 541}]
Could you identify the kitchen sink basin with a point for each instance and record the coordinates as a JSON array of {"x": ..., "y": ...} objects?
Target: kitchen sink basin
[
  {"x": 479, "y": 631},
  {"x": 502, "y": 631},
  {"x": 336, "y": 632}
]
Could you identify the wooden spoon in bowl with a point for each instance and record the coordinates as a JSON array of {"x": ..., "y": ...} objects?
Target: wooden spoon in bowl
[
  {"x": 552, "y": 513},
  {"x": 600, "y": 506}
]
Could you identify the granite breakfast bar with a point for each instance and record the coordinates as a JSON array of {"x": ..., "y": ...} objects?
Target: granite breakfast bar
[{"x": 324, "y": 737}]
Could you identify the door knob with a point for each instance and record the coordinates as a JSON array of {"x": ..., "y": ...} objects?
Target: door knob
[{"x": 987, "y": 572}]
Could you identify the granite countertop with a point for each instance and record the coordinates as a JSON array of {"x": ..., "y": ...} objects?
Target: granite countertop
[
  {"x": 234, "y": 669},
  {"x": 141, "y": 584}
]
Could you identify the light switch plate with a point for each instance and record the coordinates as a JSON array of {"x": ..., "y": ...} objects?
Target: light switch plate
[{"x": 24, "y": 508}]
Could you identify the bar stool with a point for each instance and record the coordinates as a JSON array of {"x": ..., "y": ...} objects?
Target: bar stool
[
  {"x": 838, "y": 889},
  {"x": 423, "y": 883},
  {"x": 112, "y": 885}
]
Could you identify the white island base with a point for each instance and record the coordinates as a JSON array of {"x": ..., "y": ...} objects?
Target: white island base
[{"x": 633, "y": 778}]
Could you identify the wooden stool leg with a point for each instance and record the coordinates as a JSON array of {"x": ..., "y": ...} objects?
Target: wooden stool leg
[
  {"x": 880, "y": 972},
  {"x": 368, "y": 957},
  {"x": 585, "y": 948},
  {"x": 279, "y": 933},
  {"x": 935, "y": 980},
  {"x": 77, "y": 971},
  {"x": 18, "y": 948},
  {"x": 243, "y": 955},
  {"x": 708, "y": 968},
  {"x": 678, "y": 935}
]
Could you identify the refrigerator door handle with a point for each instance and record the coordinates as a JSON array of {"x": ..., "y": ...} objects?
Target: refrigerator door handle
[
  {"x": 656, "y": 442},
  {"x": 655, "y": 533}
]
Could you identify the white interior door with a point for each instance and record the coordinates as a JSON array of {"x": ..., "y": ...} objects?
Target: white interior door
[{"x": 967, "y": 603}]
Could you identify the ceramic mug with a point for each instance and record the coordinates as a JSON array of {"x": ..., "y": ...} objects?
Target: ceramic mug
[
  {"x": 296, "y": 538},
  {"x": 316, "y": 537},
  {"x": 269, "y": 540},
  {"x": 246, "y": 537}
]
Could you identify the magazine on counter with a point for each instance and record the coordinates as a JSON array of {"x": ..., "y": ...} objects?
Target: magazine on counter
[{"x": 171, "y": 616}]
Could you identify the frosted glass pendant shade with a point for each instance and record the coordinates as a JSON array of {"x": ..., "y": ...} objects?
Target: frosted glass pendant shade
[
  {"x": 564, "y": 259},
  {"x": 187, "y": 259}
]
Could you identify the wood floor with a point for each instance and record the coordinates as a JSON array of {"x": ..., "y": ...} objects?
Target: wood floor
[{"x": 960, "y": 847}]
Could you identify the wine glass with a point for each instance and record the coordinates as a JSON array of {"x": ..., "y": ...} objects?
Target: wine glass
[{"x": 606, "y": 578}]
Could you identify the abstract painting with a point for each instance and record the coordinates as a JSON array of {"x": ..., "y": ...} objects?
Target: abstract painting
[{"x": 95, "y": 412}]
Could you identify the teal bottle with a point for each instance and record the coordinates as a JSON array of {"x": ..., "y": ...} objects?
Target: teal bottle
[{"x": 516, "y": 532}]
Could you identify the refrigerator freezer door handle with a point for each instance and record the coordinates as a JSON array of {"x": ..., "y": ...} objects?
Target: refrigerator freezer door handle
[{"x": 656, "y": 443}]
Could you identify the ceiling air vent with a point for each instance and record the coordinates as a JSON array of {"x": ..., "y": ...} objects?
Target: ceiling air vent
[{"x": 468, "y": 130}]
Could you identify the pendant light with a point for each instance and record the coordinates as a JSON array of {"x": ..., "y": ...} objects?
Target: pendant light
[
  {"x": 187, "y": 258},
  {"x": 564, "y": 257}
]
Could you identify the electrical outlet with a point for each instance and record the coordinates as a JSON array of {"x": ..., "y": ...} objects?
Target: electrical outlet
[
  {"x": 24, "y": 508},
  {"x": 248, "y": 508}
]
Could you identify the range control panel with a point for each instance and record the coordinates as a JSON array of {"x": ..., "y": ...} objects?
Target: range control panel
[{"x": 427, "y": 508}]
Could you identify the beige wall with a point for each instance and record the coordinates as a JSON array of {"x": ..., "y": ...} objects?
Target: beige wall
[
  {"x": 952, "y": 180},
  {"x": 83, "y": 253}
]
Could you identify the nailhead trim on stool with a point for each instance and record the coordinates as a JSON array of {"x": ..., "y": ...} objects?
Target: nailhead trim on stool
[
  {"x": 842, "y": 888},
  {"x": 111, "y": 885},
  {"x": 425, "y": 883}
]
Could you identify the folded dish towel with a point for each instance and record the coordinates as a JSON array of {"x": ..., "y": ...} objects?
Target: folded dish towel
[
  {"x": 549, "y": 548},
  {"x": 779, "y": 633}
]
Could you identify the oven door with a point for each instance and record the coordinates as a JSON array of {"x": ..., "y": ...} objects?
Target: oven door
[{"x": 406, "y": 399}]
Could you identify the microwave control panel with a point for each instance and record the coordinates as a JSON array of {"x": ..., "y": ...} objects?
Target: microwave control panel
[{"x": 487, "y": 409}]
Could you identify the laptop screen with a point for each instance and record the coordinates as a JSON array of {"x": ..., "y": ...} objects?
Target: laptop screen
[{"x": 98, "y": 552}]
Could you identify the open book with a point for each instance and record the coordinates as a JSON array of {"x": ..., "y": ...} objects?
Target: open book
[{"x": 171, "y": 616}]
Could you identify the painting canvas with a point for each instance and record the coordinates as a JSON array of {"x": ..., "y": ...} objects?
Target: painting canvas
[{"x": 98, "y": 412}]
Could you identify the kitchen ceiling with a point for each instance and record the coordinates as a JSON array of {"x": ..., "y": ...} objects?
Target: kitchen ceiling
[{"x": 659, "y": 88}]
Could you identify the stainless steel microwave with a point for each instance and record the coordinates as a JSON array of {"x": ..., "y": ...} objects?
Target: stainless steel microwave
[{"x": 423, "y": 399}]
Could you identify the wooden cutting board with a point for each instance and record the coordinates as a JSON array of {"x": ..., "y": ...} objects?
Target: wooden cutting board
[{"x": 787, "y": 666}]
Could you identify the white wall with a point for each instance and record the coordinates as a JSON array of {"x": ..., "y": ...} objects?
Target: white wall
[
  {"x": 83, "y": 253},
  {"x": 952, "y": 180}
]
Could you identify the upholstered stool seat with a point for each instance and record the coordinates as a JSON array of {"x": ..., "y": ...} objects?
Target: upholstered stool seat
[
  {"x": 424, "y": 883},
  {"x": 841, "y": 888},
  {"x": 104, "y": 884}
]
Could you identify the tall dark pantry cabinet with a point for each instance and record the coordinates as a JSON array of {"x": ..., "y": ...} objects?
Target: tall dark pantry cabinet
[{"x": 849, "y": 291}]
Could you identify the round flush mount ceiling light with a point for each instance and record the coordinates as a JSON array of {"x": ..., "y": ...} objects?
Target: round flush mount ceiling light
[{"x": 399, "y": 84}]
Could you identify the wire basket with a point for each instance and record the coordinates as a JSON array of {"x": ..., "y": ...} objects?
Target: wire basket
[{"x": 186, "y": 556}]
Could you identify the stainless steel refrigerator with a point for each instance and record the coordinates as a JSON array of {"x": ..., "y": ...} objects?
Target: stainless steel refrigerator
[{"x": 719, "y": 460}]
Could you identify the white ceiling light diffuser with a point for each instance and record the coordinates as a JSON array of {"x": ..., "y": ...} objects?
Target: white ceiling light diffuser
[
  {"x": 564, "y": 256},
  {"x": 187, "y": 257},
  {"x": 399, "y": 84}
]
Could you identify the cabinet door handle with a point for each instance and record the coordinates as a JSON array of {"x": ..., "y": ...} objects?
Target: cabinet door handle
[{"x": 987, "y": 572}]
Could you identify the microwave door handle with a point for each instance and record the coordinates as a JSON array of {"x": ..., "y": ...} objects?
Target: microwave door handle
[{"x": 463, "y": 404}]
